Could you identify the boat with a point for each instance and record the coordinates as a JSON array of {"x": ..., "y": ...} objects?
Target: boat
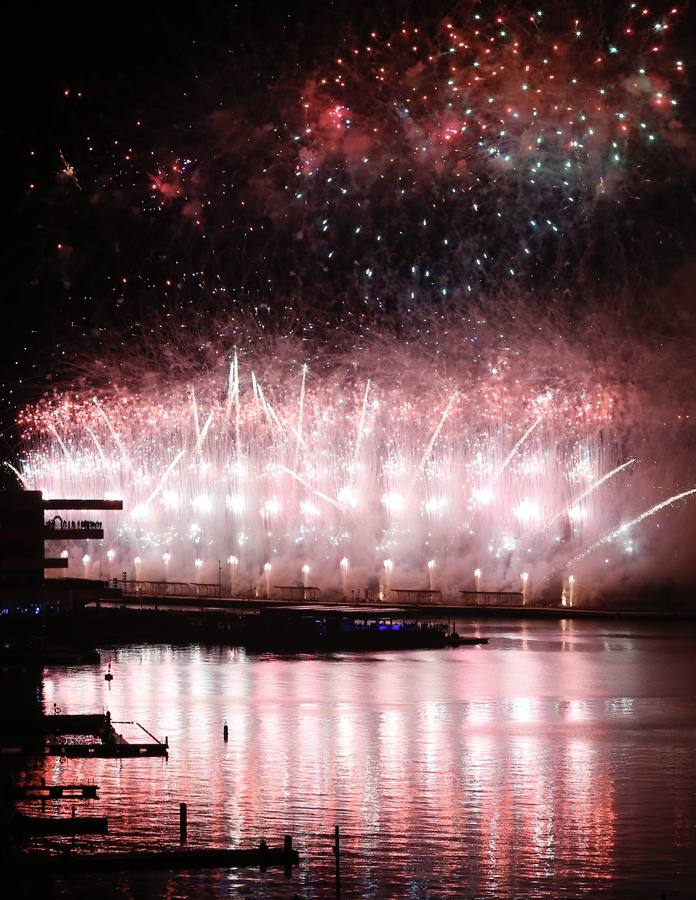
[{"x": 298, "y": 629}]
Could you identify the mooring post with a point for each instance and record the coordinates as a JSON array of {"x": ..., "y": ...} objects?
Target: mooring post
[
  {"x": 287, "y": 850},
  {"x": 225, "y": 732},
  {"x": 263, "y": 854},
  {"x": 337, "y": 854},
  {"x": 182, "y": 822}
]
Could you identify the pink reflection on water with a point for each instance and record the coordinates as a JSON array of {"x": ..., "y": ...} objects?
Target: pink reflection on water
[{"x": 489, "y": 771}]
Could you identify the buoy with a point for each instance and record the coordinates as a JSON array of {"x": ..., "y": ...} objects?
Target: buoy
[
  {"x": 225, "y": 732},
  {"x": 108, "y": 676}
]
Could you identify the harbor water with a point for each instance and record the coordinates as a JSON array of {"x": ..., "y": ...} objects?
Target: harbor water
[{"x": 557, "y": 761}]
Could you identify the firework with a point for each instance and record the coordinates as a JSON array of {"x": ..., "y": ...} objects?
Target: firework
[
  {"x": 493, "y": 151},
  {"x": 278, "y": 470},
  {"x": 452, "y": 158},
  {"x": 409, "y": 375}
]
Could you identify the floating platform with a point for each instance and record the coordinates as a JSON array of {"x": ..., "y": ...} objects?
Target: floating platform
[
  {"x": 110, "y": 745},
  {"x": 84, "y": 723},
  {"x": 108, "y": 750},
  {"x": 56, "y": 792},
  {"x": 32, "y": 825},
  {"x": 207, "y": 858}
]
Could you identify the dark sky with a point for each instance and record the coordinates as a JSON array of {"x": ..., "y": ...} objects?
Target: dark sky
[{"x": 124, "y": 59}]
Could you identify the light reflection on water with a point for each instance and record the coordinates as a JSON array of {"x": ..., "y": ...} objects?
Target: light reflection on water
[{"x": 556, "y": 762}]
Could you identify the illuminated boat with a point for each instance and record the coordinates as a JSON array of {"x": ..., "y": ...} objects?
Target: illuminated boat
[{"x": 306, "y": 629}]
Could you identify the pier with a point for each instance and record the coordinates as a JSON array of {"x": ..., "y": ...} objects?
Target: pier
[
  {"x": 55, "y": 825},
  {"x": 57, "y": 792},
  {"x": 158, "y": 595},
  {"x": 117, "y": 750},
  {"x": 262, "y": 857},
  {"x": 110, "y": 745}
]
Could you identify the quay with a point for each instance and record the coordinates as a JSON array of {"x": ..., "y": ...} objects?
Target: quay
[
  {"x": 39, "y": 652},
  {"x": 237, "y": 621},
  {"x": 152, "y": 596}
]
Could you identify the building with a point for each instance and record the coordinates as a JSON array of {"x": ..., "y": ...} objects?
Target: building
[{"x": 24, "y": 529}]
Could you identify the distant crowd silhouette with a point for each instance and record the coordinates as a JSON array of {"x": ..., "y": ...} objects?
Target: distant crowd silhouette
[{"x": 58, "y": 523}]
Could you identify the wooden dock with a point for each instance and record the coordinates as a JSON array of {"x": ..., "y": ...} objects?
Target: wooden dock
[
  {"x": 110, "y": 744},
  {"x": 261, "y": 857},
  {"x": 87, "y": 723},
  {"x": 107, "y": 750},
  {"x": 36, "y": 825},
  {"x": 56, "y": 792}
]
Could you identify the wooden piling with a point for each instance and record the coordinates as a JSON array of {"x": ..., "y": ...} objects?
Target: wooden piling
[
  {"x": 183, "y": 823},
  {"x": 337, "y": 855},
  {"x": 287, "y": 851},
  {"x": 263, "y": 855}
]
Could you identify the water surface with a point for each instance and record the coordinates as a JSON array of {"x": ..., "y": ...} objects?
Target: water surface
[{"x": 558, "y": 761}]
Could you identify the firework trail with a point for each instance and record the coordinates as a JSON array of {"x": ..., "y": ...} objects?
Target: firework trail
[
  {"x": 574, "y": 504},
  {"x": 622, "y": 529},
  {"x": 436, "y": 434},
  {"x": 511, "y": 454}
]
